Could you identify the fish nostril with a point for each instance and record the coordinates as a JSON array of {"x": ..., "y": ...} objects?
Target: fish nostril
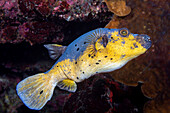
[{"x": 146, "y": 38}]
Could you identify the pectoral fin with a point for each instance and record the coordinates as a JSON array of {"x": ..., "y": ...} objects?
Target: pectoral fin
[
  {"x": 55, "y": 50},
  {"x": 68, "y": 85}
]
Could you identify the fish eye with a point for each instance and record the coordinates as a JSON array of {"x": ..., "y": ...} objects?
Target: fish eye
[{"x": 123, "y": 32}]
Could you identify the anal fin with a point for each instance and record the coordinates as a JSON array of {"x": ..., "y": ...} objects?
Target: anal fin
[{"x": 68, "y": 85}]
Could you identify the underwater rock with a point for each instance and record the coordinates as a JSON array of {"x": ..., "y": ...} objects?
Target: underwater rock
[
  {"x": 66, "y": 9},
  {"x": 103, "y": 95},
  {"x": 40, "y": 32},
  {"x": 33, "y": 32},
  {"x": 9, "y": 34},
  {"x": 19, "y": 17},
  {"x": 78, "y": 9},
  {"x": 9, "y": 8},
  {"x": 30, "y": 7}
]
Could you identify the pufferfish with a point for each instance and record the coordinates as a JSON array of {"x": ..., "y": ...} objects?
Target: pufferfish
[{"x": 100, "y": 50}]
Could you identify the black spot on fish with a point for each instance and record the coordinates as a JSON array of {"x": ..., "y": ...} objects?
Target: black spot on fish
[
  {"x": 83, "y": 72},
  {"x": 131, "y": 48},
  {"x": 112, "y": 38},
  {"x": 92, "y": 56},
  {"x": 97, "y": 63},
  {"x": 85, "y": 42},
  {"x": 75, "y": 62},
  {"x": 41, "y": 92},
  {"x": 105, "y": 56},
  {"x": 89, "y": 65},
  {"x": 111, "y": 58},
  {"x": 123, "y": 42},
  {"x": 99, "y": 60},
  {"x": 77, "y": 77},
  {"x": 77, "y": 49},
  {"x": 122, "y": 56},
  {"x": 57, "y": 66},
  {"x": 89, "y": 55},
  {"x": 75, "y": 44},
  {"x": 135, "y": 45},
  {"x": 81, "y": 60}
]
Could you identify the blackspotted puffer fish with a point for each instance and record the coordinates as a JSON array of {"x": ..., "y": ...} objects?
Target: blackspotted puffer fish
[{"x": 100, "y": 50}]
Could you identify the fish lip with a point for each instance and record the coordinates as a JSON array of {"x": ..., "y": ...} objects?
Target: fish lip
[
  {"x": 147, "y": 45},
  {"x": 144, "y": 40}
]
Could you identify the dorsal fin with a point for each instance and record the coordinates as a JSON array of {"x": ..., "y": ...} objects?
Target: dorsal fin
[{"x": 55, "y": 50}]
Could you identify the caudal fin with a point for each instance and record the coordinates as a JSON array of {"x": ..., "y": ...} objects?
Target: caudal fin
[{"x": 36, "y": 90}]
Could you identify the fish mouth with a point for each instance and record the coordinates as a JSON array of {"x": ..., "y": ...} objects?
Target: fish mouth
[{"x": 144, "y": 40}]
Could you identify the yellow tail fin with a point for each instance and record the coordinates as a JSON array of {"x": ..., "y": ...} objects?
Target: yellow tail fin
[{"x": 36, "y": 90}]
